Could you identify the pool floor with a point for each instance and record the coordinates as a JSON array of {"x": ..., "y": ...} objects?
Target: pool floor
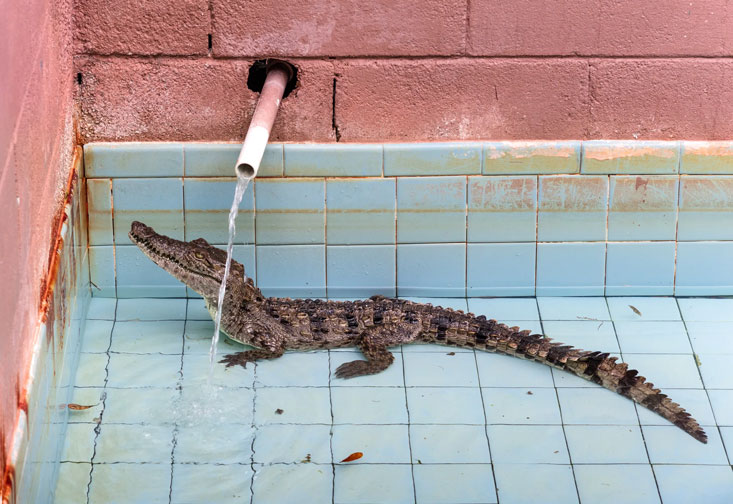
[{"x": 441, "y": 425}]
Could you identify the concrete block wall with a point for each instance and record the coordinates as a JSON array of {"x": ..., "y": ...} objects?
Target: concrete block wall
[{"x": 409, "y": 70}]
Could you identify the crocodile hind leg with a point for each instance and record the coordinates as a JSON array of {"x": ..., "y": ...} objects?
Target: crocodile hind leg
[
  {"x": 242, "y": 358},
  {"x": 372, "y": 344}
]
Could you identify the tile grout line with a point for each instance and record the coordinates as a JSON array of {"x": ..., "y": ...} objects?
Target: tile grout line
[
  {"x": 179, "y": 387},
  {"x": 486, "y": 427},
  {"x": 330, "y": 433},
  {"x": 705, "y": 388},
  {"x": 103, "y": 398},
  {"x": 562, "y": 421},
  {"x": 409, "y": 435},
  {"x": 254, "y": 428},
  {"x": 636, "y": 407}
]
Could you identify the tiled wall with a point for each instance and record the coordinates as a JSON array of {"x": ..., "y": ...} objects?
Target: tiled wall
[{"x": 431, "y": 219}]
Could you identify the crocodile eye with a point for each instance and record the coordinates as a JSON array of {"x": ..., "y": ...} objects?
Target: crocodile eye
[{"x": 198, "y": 255}]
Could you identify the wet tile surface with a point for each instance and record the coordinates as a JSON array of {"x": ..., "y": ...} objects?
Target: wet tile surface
[{"x": 441, "y": 425}]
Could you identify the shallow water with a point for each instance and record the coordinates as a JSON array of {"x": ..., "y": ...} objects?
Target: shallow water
[{"x": 440, "y": 425}]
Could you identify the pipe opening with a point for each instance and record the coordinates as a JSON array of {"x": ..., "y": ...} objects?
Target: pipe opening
[
  {"x": 245, "y": 170},
  {"x": 258, "y": 73}
]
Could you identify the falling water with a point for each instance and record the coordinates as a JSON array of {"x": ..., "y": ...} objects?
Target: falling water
[{"x": 242, "y": 184}]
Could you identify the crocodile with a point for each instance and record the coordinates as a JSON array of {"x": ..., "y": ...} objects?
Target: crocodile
[{"x": 273, "y": 325}]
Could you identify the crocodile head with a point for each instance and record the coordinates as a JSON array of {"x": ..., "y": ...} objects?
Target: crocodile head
[{"x": 196, "y": 263}]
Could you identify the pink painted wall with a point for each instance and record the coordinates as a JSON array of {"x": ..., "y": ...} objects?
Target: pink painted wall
[
  {"x": 36, "y": 139},
  {"x": 410, "y": 69}
]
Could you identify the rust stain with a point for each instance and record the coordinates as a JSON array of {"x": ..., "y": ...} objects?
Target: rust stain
[
  {"x": 502, "y": 193},
  {"x": 522, "y": 150},
  {"x": 641, "y": 182},
  {"x": 637, "y": 194},
  {"x": 579, "y": 193},
  {"x": 722, "y": 148},
  {"x": 706, "y": 192},
  {"x": 610, "y": 152}
]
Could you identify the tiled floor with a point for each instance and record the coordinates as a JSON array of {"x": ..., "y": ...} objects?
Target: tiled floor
[{"x": 439, "y": 426}]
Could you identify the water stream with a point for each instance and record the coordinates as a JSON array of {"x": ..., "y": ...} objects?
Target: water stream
[{"x": 242, "y": 184}]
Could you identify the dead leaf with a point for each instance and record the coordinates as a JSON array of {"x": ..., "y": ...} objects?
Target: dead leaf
[
  {"x": 307, "y": 459},
  {"x": 79, "y": 407},
  {"x": 451, "y": 353},
  {"x": 635, "y": 310},
  {"x": 697, "y": 360},
  {"x": 353, "y": 456},
  {"x": 279, "y": 411},
  {"x": 529, "y": 392}
]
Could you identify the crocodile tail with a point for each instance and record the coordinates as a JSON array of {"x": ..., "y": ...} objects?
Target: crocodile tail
[{"x": 597, "y": 367}]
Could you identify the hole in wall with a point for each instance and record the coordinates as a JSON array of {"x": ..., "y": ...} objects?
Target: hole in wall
[
  {"x": 78, "y": 78},
  {"x": 258, "y": 72},
  {"x": 210, "y": 42}
]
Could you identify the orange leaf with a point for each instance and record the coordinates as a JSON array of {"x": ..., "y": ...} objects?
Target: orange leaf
[
  {"x": 353, "y": 456},
  {"x": 79, "y": 407}
]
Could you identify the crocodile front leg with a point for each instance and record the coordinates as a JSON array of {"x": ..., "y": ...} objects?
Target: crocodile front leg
[
  {"x": 242, "y": 358},
  {"x": 372, "y": 344}
]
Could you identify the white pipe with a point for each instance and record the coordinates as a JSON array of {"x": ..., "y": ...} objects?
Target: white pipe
[{"x": 253, "y": 148}]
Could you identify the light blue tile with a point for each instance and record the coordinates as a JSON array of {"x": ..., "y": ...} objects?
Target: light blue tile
[
  {"x": 154, "y": 406},
  {"x": 89, "y": 396},
  {"x": 101, "y": 309},
  {"x": 79, "y": 443},
  {"x": 357, "y": 484},
  {"x": 643, "y": 308},
  {"x": 695, "y": 401},
  {"x": 722, "y": 402},
  {"x": 302, "y": 405},
  {"x": 283, "y": 444},
  {"x": 640, "y": 268},
  {"x": 208, "y": 202},
  {"x": 431, "y": 270},
  {"x": 500, "y": 269},
  {"x": 704, "y": 268},
  {"x": 151, "y": 309},
  {"x": 432, "y": 369},
  {"x": 290, "y": 211},
  {"x": 566, "y": 379},
  {"x": 531, "y": 157},
  {"x": 586, "y": 334},
  {"x": 630, "y": 156},
  {"x": 715, "y": 371},
  {"x": 218, "y": 159},
  {"x": 102, "y": 271},
  {"x": 143, "y": 370},
  {"x": 134, "y": 443},
  {"x": 91, "y": 370},
  {"x": 146, "y": 337},
  {"x": 502, "y": 209},
  {"x": 570, "y": 269},
  {"x": 493, "y": 370},
  {"x": 445, "y": 405},
  {"x": 393, "y": 376},
  {"x": 706, "y": 310},
  {"x": 196, "y": 309},
  {"x": 431, "y": 158},
  {"x": 333, "y": 160},
  {"x": 711, "y": 337},
  {"x": 665, "y": 337},
  {"x": 572, "y": 208},
  {"x": 158, "y": 202},
  {"x": 453, "y": 444},
  {"x": 209, "y": 407},
  {"x": 706, "y": 208},
  {"x": 668, "y": 444},
  {"x": 509, "y": 444},
  {"x": 682, "y": 484},
  {"x": 197, "y": 366},
  {"x": 312, "y": 480},
  {"x": 308, "y": 369},
  {"x": 595, "y": 406},
  {"x": 360, "y": 211},
  {"x": 453, "y": 483},
  {"x": 606, "y": 444},
  {"x": 292, "y": 270},
  {"x": 361, "y": 271},
  {"x": 99, "y": 201},
  {"x": 138, "y": 276},
  {"x": 602, "y": 484},
  {"x": 368, "y": 405},
  {"x": 380, "y": 444},
  {"x": 149, "y": 483},
  {"x": 528, "y": 483},
  {"x": 505, "y": 309},
  {"x": 431, "y": 209},
  {"x": 133, "y": 159},
  {"x": 570, "y": 308},
  {"x": 97, "y": 336},
  {"x": 643, "y": 208},
  {"x": 225, "y": 484},
  {"x": 516, "y": 406},
  {"x": 72, "y": 483},
  {"x": 222, "y": 446}
]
